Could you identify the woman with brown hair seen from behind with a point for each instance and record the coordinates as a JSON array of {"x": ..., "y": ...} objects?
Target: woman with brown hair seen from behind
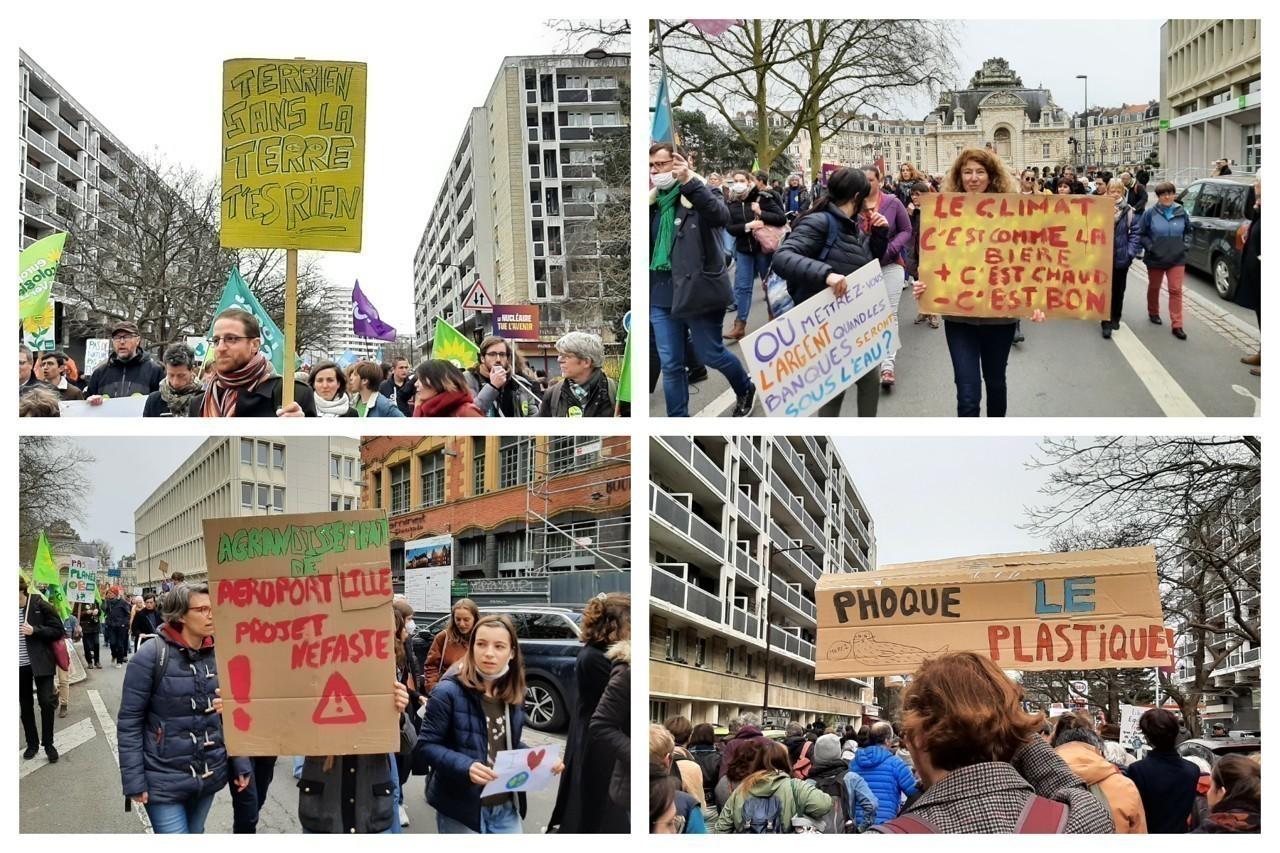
[
  {"x": 979, "y": 346},
  {"x": 981, "y": 759},
  {"x": 1235, "y": 796},
  {"x": 582, "y": 802},
  {"x": 1081, "y": 747},
  {"x": 768, "y": 799},
  {"x": 450, "y": 645},
  {"x": 474, "y": 714}
]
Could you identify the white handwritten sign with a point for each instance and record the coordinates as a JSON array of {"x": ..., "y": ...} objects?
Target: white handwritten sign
[
  {"x": 807, "y": 356},
  {"x": 523, "y": 770}
]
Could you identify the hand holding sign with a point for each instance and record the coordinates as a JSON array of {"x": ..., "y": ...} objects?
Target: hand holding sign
[{"x": 522, "y": 770}]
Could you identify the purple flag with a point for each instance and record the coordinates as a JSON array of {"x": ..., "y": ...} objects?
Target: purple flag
[{"x": 364, "y": 318}]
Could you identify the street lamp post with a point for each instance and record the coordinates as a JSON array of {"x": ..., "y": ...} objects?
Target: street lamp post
[
  {"x": 768, "y": 611},
  {"x": 1085, "y": 78},
  {"x": 146, "y": 540}
]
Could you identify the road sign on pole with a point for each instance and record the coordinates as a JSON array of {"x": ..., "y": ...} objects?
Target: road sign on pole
[{"x": 477, "y": 298}]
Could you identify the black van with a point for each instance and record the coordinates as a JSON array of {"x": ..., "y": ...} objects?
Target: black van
[{"x": 1217, "y": 207}]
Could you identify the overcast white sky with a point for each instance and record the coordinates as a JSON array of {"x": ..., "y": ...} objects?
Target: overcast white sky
[
  {"x": 933, "y": 498},
  {"x": 155, "y": 82},
  {"x": 124, "y": 472}
]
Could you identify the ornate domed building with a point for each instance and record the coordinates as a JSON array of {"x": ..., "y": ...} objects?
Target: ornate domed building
[{"x": 1024, "y": 126}]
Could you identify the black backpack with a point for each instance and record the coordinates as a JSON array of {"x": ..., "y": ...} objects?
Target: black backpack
[{"x": 835, "y": 821}]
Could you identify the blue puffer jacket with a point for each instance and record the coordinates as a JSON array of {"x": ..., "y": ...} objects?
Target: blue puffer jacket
[
  {"x": 454, "y": 735},
  {"x": 888, "y": 777},
  {"x": 1164, "y": 232},
  {"x": 1127, "y": 243},
  {"x": 162, "y": 735}
]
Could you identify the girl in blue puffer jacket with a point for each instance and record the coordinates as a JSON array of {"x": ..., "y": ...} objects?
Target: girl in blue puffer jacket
[
  {"x": 173, "y": 759},
  {"x": 473, "y": 715}
]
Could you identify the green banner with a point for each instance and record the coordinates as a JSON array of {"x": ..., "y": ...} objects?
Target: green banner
[
  {"x": 37, "y": 268},
  {"x": 624, "y": 381},
  {"x": 237, "y": 295},
  {"x": 451, "y": 345},
  {"x": 45, "y": 573}
]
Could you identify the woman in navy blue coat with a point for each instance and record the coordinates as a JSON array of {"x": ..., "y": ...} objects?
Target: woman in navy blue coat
[
  {"x": 474, "y": 714},
  {"x": 173, "y": 759}
]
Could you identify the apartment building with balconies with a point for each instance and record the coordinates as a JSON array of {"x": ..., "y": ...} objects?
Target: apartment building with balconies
[
  {"x": 519, "y": 204},
  {"x": 741, "y": 528}
]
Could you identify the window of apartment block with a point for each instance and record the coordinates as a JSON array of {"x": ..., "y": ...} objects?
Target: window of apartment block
[
  {"x": 277, "y": 498},
  {"x": 1045, "y": 150},
  {"x": 246, "y": 495},
  {"x": 334, "y": 503},
  {"x": 730, "y": 659},
  {"x": 700, "y": 652},
  {"x": 675, "y": 644},
  {"x": 515, "y": 461},
  {"x": 432, "y": 465},
  {"x": 264, "y": 454},
  {"x": 572, "y": 452},
  {"x": 751, "y": 666},
  {"x": 657, "y": 710},
  {"x": 264, "y": 497},
  {"x": 335, "y": 467},
  {"x": 567, "y": 540},
  {"x": 557, "y": 280},
  {"x": 477, "y": 465},
  {"x": 400, "y": 488},
  {"x": 553, "y": 240},
  {"x": 472, "y": 551},
  {"x": 246, "y": 451},
  {"x": 574, "y": 81},
  {"x": 351, "y": 469},
  {"x": 277, "y": 456},
  {"x": 348, "y": 503}
]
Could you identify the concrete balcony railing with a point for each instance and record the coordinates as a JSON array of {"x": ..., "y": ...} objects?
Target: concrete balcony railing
[
  {"x": 785, "y": 641},
  {"x": 48, "y": 148},
  {"x": 748, "y": 566},
  {"x": 744, "y": 622},
  {"x": 789, "y": 595},
  {"x": 669, "y": 584},
  {"x": 753, "y": 457},
  {"x": 674, "y": 513},
  {"x": 749, "y": 510},
  {"x": 688, "y": 452},
  {"x": 783, "y": 496}
]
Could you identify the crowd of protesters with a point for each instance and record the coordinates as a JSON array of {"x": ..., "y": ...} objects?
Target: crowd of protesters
[
  {"x": 965, "y": 756},
  {"x": 239, "y": 381}
]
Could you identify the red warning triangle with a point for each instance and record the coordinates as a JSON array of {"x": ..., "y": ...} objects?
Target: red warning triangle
[{"x": 338, "y": 705}]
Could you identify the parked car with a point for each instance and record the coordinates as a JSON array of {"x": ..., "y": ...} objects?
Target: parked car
[
  {"x": 1213, "y": 748},
  {"x": 550, "y": 638},
  {"x": 1217, "y": 207}
]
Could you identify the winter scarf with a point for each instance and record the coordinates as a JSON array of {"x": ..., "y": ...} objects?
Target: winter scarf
[
  {"x": 449, "y": 404},
  {"x": 661, "y": 257},
  {"x": 179, "y": 402},
  {"x": 1233, "y": 816},
  {"x": 335, "y": 408},
  {"x": 224, "y": 388}
]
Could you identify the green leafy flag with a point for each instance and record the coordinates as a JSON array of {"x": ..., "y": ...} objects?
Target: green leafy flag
[
  {"x": 237, "y": 295},
  {"x": 624, "y": 379},
  {"x": 45, "y": 573},
  {"x": 37, "y": 268},
  {"x": 755, "y": 166},
  {"x": 451, "y": 345}
]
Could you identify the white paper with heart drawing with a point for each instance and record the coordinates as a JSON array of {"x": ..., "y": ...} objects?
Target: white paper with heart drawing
[{"x": 524, "y": 770}]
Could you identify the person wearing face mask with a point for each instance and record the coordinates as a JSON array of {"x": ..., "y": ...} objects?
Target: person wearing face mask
[
  {"x": 474, "y": 714},
  {"x": 752, "y": 206},
  {"x": 979, "y": 346},
  {"x": 689, "y": 289},
  {"x": 1126, "y": 246}
]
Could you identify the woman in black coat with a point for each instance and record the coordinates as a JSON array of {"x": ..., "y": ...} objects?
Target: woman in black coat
[
  {"x": 813, "y": 258},
  {"x": 1249, "y": 293},
  {"x": 610, "y": 733},
  {"x": 750, "y": 208},
  {"x": 582, "y": 803}
]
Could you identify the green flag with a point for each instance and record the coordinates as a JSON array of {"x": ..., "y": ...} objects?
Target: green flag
[
  {"x": 624, "y": 379},
  {"x": 755, "y": 166},
  {"x": 37, "y": 268},
  {"x": 45, "y": 573},
  {"x": 97, "y": 593},
  {"x": 451, "y": 345},
  {"x": 237, "y": 295}
]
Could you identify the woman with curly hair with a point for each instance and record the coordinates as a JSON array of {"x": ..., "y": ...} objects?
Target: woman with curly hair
[
  {"x": 983, "y": 764},
  {"x": 979, "y": 346},
  {"x": 582, "y": 801}
]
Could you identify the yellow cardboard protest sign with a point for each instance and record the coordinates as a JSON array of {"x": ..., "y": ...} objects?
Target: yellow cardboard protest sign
[
  {"x": 989, "y": 255},
  {"x": 293, "y": 149},
  {"x": 1083, "y": 610}
]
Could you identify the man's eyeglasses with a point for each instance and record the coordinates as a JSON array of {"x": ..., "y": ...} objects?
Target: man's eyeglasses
[
  {"x": 119, "y": 338},
  {"x": 661, "y": 165},
  {"x": 231, "y": 340},
  {"x": 496, "y": 354}
]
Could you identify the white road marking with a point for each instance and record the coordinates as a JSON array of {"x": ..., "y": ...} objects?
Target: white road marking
[
  {"x": 1160, "y": 384},
  {"x": 64, "y": 741},
  {"x": 1245, "y": 392},
  {"x": 717, "y": 407},
  {"x": 109, "y": 729}
]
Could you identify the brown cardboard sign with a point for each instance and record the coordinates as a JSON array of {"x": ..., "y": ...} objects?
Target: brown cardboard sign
[
  {"x": 305, "y": 632},
  {"x": 1083, "y": 610}
]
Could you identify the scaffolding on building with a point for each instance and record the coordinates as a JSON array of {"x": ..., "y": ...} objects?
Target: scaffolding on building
[{"x": 579, "y": 538}]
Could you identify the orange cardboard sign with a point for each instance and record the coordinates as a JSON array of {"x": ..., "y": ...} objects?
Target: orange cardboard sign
[
  {"x": 988, "y": 255},
  {"x": 1083, "y": 610},
  {"x": 306, "y": 653}
]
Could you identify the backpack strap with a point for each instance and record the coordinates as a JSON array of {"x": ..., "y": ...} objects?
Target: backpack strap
[
  {"x": 833, "y": 234},
  {"x": 908, "y": 825},
  {"x": 1042, "y": 816}
]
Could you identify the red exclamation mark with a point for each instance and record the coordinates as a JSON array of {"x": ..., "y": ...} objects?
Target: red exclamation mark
[{"x": 238, "y": 669}]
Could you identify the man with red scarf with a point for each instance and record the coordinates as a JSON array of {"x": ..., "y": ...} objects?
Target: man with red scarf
[{"x": 242, "y": 383}]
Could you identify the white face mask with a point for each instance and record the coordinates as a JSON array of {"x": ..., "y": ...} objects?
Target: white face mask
[
  {"x": 663, "y": 180},
  {"x": 410, "y": 627},
  {"x": 739, "y": 187},
  {"x": 496, "y": 675}
]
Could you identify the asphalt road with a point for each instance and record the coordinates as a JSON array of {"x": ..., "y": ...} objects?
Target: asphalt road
[
  {"x": 81, "y": 793},
  {"x": 1066, "y": 368}
]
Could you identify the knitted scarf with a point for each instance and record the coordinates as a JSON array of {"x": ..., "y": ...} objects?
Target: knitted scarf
[
  {"x": 667, "y": 201},
  {"x": 179, "y": 402},
  {"x": 335, "y": 408},
  {"x": 224, "y": 388},
  {"x": 448, "y": 404}
]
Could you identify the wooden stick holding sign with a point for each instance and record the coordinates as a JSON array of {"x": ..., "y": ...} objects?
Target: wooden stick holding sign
[{"x": 290, "y": 323}]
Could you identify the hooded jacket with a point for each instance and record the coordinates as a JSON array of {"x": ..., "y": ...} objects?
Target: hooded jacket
[
  {"x": 797, "y": 258},
  {"x": 1164, "y": 232},
  {"x": 735, "y": 743},
  {"x": 697, "y": 255},
  {"x": 454, "y": 735},
  {"x": 168, "y": 737},
  {"x": 610, "y": 733},
  {"x": 1122, "y": 795},
  {"x": 888, "y": 777},
  {"x": 794, "y": 798},
  {"x": 582, "y": 799},
  {"x": 990, "y": 796},
  {"x": 860, "y": 804},
  {"x": 116, "y": 612},
  {"x": 118, "y": 377}
]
